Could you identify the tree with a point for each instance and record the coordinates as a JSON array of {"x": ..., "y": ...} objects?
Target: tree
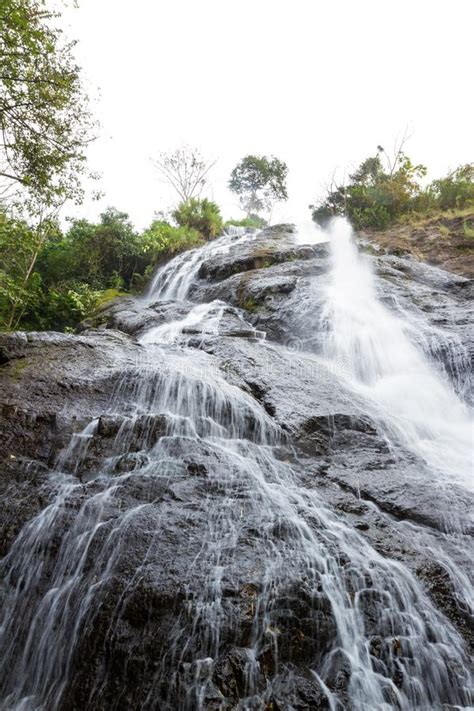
[
  {"x": 20, "y": 247},
  {"x": 259, "y": 182},
  {"x": 45, "y": 123},
  {"x": 203, "y": 216},
  {"x": 456, "y": 190},
  {"x": 185, "y": 170},
  {"x": 376, "y": 194},
  {"x": 101, "y": 255},
  {"x": 161, "y": 241}
]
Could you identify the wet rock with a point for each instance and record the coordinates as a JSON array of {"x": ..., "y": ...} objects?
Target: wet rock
[
  {"x": 302, "y": 693},
  {"x": 57, "y": 381},
  {"x": 269, "y": 248},
  {"x": 437, "y": 579},
  {"x": 320, "y": 434},
  {"x": 195, "y": 469},
  {"x": 24, "y": 492},
  {"x": 136, "y": 315},
  {"x": 296, "y": 388},
  {"x": 181, "y": 539},
  {"x": 402, "y": 492},
  {"x": 131, "y": 461},
  {"x": 109, "y": 425}
]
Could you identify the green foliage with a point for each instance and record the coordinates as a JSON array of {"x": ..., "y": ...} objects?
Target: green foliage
[
  {"x": 374, "y": 196},
  {"x": 250, "y": 221},
  {"x": 44, "y": 120},
  {"x": 377, "y": 196},
  {"x": 456, "y": 190},
  {"x": 249, "y": 304},
  {"x": 202, "y": 216},
  {"x": 259, "y": 182},
  {"x": 50, "y": 280},
  {"x": 94, "y": 262},
  {"x": 468, "y": 228},
  {"x": 62, "y": 307},
  {"x": 19, "y": 286},
  {"x": 161, "y": 241},
  {"x": 98, "y": 254},
  {"x": 30, "y": 296}
]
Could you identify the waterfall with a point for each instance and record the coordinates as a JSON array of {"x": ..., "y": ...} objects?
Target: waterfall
[
  {"x": 374, "y": 632},
  {"x": 174, "y": 280},
  {"x": 389, "y": 371}
]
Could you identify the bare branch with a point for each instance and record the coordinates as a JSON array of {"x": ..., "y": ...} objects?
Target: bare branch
[{"x": 185, "y": 170}]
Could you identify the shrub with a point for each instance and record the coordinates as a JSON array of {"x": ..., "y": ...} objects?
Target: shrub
[
  {"x": 53, "y": 281},
  {"x": 377, "y": 196},
  {"x": 20, "y": 285},
  {"x": 161, "y": 241},
  {"x": 58, "y": 308},
  {"x": 64, "y": 307},
  {"x": 202, "y": 216},
  {"x": 97, "y": 254},
  {"x": 456, "y": 190}
]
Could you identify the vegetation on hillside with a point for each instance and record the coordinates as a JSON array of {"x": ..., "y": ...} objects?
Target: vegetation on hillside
[
  {"x": 52, "y": 280},
  {"x": 382, "y": 192}
]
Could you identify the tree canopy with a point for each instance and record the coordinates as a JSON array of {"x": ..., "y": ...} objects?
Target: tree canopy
[
  {"x": 52, "y": 280},
  {"x": 375, "y": 194},
  {"x": 259, "y": 182},
  {"x": 45, "y": 123},
  {"x": 381, "y": 191}
]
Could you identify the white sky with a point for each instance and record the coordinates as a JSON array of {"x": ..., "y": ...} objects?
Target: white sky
[{"x": 317, "y": 83}]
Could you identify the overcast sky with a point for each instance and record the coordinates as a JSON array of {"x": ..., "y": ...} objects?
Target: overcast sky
[{"x": 317, "y": 83}]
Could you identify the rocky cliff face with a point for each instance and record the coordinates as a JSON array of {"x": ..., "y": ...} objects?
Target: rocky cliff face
[{"x": 212, "y": 521}]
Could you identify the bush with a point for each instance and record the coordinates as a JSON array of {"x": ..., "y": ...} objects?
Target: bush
[
  {"x": 51, "y": 280},
  {"x": 202, "y": 216},
  {"x": 20, "y": 285},
  {"x": 456, "y": 191},
  {"x": 65, "y": 306},
  {"x": 376, "y": 197},
  {"x": 161, "y": 241}
]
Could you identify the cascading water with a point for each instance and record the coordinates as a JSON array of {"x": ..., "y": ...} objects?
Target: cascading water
[
  {"x": 395, "y": 379},
  {"x": 175, "y": 279},
  {"x": 379, "y": 635}
]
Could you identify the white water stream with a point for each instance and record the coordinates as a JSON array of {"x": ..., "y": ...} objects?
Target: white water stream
[{"x": 402, "y": 389}]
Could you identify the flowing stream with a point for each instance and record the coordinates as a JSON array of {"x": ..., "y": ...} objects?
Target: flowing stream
[
  {"x": 382, "y": 643},
  {"x": 390, "y": 372}
]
